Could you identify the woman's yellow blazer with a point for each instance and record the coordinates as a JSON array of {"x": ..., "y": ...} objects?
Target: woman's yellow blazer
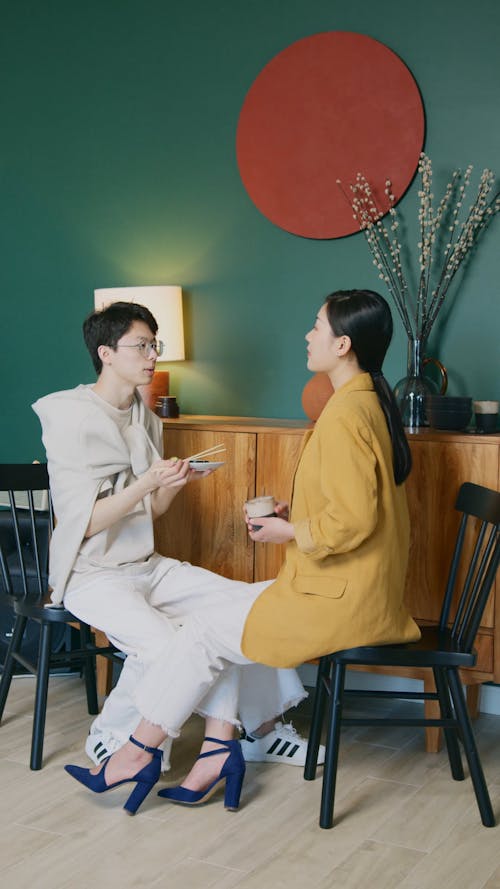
[{"x": 342, "y": 582}]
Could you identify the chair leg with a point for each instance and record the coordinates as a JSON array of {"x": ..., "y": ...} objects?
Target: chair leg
[
  {"x": 318, "y": 716},
  {"x": 471, "y": 751},
  {"x": 332, "y": 748},
  {"x": 450, "y": 734},
  {"x": 89, "y": 671},
  {"x": 8, "y": 667},
  {"x": 103, "y": 665},
  {"x": 42, "y": 686}
]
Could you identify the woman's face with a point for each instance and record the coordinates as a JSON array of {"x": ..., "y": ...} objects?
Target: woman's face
[{"x": 322, "y": 345}]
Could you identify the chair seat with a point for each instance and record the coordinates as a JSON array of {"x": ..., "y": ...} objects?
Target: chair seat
[
  {"x": 45, "y": 612},
  {"x": 436, "y": 648}
]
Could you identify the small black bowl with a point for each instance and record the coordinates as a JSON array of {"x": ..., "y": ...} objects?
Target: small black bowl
[
  {"x": 449, "y": 401},
  {"x": 457, "y": 419}
]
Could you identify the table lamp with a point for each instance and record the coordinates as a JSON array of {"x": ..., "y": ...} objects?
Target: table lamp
[{"x": 165, "y": 303}]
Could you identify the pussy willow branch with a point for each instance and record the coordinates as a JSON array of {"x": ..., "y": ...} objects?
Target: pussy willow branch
[
  {"x": 393, "y": 267},
  {"x": 471, "y": 229},
  {"x": 425, "y": 218},
  {"x": 443, "y": 224},
  {"x": 385, "y": 252},
  {"x": 441, "y": 216},
  {"x": 491, "y": 210}
]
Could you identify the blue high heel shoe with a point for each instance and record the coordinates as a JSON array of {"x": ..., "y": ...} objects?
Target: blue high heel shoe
[
  {"x": 145, "y": 779},
  {"x": 232, "y": 773}
]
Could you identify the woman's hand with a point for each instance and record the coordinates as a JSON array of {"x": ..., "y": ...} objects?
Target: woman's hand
[
  {"x": 282, "y": 509},
  {"x": 273, "y": 530}
]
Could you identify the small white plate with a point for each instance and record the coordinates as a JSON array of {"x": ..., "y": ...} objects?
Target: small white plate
[{"x": 202, "y": 465}]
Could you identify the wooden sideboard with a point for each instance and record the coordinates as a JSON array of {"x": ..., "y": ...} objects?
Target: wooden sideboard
[{"x": 205, "y": 523}]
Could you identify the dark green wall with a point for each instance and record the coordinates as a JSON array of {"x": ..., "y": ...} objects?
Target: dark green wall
[{"x": 118, "y": 167}]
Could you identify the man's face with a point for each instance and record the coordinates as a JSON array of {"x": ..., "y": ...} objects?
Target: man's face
[{"x": 133, "y": 360}]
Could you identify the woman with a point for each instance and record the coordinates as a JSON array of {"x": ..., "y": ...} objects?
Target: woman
[{"x": 343, "y": 578}]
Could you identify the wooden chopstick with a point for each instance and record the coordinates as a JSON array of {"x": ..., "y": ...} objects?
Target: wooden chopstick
[{"x": 217, "y": 449}]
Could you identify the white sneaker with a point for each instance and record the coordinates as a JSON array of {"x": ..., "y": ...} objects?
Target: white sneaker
[
  {"x": 99, "y": 746},
  {"x": 284, "y": 744}
]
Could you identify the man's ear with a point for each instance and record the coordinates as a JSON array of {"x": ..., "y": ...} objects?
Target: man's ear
[{"x": 104, "y": 352}]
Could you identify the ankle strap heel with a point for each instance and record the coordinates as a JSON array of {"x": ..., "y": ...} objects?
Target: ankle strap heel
[
  {"x": 231, "y": 775},
  {"x": 144, "y": 779},
  {"x": 226, "y": 747},
  {"x": 154, "y": 750}
]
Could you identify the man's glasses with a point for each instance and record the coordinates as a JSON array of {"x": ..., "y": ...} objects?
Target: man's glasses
[{"x": 146, "y": 349}]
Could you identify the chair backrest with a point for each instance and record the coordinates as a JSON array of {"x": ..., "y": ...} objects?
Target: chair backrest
[
  {"x": 24, "y": 530},
  {"x": 476, "y": 557}
]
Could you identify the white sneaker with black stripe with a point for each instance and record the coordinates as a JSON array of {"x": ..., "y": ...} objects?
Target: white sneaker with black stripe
[
  {"x": 99, "y": 746},
  {"x": 284, "y": 744}
]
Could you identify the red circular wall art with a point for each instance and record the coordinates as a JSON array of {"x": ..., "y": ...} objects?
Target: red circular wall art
[{"x": 325, "y": 108}]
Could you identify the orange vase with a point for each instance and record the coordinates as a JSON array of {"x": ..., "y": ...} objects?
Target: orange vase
[
  {"x": 315, "y": 394},
  {"x": 157, "y": 387}
]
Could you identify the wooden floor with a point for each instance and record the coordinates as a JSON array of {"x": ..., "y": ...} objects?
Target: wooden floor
[{"x": 401, "y": 821}]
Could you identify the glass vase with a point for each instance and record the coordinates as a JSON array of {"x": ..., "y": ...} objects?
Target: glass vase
[{"x": 412, "y": 390}]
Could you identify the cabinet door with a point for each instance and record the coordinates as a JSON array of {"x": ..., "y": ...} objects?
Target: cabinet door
[
  {"x": 204, "y": 524},
  {"x": 439, "y": 468},
  {"x": 277, "y": 456}
]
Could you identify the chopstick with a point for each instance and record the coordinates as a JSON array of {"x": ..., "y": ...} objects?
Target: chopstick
[{"x": 217, "y": 449}]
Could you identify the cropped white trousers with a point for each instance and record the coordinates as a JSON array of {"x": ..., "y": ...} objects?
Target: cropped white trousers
[{"x": 146, "y": 611}]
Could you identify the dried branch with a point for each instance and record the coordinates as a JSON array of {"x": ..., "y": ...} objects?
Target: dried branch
[{"x": 438, "y": 263}]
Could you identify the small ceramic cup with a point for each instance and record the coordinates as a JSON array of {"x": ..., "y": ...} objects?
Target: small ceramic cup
[
  {"x": 260, "y": 506},
  {"x": 166, "y": 406},
  {"x": 486, "y": 413}
]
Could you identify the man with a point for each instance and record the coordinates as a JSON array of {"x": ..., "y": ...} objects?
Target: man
[{"x": 109, "y": 483}]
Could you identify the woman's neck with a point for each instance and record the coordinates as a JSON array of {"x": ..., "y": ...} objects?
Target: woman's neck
[{"x": 339, "y": 376}]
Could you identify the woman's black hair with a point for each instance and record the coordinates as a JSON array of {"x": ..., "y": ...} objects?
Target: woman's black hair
[{"x": 365, "y": 317}]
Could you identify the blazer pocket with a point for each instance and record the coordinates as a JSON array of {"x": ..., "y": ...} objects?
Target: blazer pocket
[{"x": 330, "y": 587}]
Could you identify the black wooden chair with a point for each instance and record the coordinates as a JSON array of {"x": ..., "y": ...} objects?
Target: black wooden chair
[
  {"x": 445, "y": 648},
  {"x": 24, "y": 547}
]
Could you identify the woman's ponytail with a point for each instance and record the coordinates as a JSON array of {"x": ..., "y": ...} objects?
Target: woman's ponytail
[
  {"x": 366, "y": 318},
  {"x": 401, "y": 458}
]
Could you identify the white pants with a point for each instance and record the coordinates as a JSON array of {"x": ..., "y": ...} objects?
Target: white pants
[{"x": 142, "y": 609}]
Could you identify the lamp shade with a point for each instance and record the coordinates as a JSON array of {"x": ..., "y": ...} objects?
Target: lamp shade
[{"x": 164, "y": 302}]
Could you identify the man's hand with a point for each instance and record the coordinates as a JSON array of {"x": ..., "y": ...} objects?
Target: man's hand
[{"x": 171, "y": 473}]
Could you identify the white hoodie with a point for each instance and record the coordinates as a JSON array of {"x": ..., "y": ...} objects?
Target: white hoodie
[{"x": 94, "y": 449}]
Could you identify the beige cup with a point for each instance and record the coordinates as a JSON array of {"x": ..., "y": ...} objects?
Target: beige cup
[{"x": 260, "y": 506}]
